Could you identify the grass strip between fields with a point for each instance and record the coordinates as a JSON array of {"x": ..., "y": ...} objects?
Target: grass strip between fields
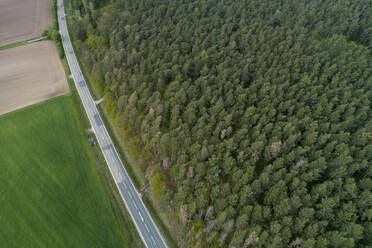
[{"x": 21, "y": 43}]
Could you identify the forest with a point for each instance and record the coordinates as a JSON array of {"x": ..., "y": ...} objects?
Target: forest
[{"x": 254, "y": 117}]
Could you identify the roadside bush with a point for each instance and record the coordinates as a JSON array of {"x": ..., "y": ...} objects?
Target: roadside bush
[
  {"x": 46, "y": 33},
  {"x": 56, "y": 36}
]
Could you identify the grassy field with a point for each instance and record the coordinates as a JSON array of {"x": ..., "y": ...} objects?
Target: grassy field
[{"x": 50, "y": 192}]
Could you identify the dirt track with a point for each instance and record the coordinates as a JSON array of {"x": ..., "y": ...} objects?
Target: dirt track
[
  {"x": 30, "y": 74},
  {"x": 23, "y": 19}
]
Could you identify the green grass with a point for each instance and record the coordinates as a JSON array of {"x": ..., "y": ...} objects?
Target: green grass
[
  {"x": 50, "y": 190},
  {"x": 21, "y": 43}
]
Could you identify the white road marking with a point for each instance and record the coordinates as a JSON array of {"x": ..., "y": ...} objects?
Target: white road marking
[
  {"x": 153, "y": 240},
  {"x": 140, "y": 215},
  {"x": 147, "y": 227},
  {"x": 118, "y": 177}
]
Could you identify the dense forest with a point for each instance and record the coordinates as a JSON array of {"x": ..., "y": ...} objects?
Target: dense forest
[{"x": 253, "y": 116}]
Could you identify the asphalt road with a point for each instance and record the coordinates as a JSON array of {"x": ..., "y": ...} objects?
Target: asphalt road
[{"x": 146, "y": 227}]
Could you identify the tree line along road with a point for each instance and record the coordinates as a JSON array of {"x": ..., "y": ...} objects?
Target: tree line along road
[{"x": 146, "y": 227}]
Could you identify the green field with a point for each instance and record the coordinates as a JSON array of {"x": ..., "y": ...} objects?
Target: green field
[{"x": 50, "y": 192}]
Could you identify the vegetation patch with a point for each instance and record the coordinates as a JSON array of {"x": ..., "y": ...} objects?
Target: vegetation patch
[{"x": 21, "y": 43}]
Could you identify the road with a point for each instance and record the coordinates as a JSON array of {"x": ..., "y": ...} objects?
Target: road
[{"x": 146, "y": 227}]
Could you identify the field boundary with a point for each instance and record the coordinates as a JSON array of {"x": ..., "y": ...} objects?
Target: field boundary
[{"x": 56, "y": 98}]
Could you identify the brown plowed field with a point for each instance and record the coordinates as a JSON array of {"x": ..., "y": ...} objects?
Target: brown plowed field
[
  {"x": 30, "y": 74},
  {"x": 23, "y": 19}
]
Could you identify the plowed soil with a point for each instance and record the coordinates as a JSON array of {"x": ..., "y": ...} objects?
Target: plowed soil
[
  {"x": 30, "y": 74},
  {"x": 23, "y": 19}
]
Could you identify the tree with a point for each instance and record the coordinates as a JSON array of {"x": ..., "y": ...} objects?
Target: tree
[{"x": 260, "y": 110}]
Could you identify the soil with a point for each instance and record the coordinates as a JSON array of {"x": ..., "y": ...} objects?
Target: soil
[
  {"x": 23, "y": 19},
  {"x": 30, "y": 74}
]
